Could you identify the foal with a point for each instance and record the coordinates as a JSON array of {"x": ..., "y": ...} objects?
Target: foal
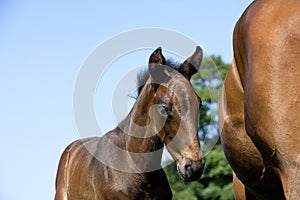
[{"x": 126, "y": 162}]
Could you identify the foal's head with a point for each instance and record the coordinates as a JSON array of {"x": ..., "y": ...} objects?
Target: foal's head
[{"x": 174, "y": 110}]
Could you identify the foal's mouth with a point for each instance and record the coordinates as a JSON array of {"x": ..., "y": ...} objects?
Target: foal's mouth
[{"x": 190, "y": 170}]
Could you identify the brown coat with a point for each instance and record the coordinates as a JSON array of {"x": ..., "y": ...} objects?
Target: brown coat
[{"x": 260, "y": 104}]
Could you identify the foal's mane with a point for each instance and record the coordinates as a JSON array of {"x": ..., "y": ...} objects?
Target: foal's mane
[{"x": 143, "y": 75}]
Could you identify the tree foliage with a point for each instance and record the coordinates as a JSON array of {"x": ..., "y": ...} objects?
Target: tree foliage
[{"x": 216, "y": 181}]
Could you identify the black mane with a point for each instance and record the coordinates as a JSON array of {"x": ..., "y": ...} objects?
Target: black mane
[{"x": 143, "y": 76}]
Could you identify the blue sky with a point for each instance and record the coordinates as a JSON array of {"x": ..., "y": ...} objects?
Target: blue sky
[{"x": 42, "y": 47}]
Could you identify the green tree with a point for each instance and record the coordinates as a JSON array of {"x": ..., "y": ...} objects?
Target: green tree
[{"x": 216, "y": 181}]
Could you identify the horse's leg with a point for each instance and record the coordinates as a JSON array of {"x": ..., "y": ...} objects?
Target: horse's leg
[
  {"x": 241, "y": 153},
  {"x": 240, "y": 191},
  {"x": 290, "y": 177},
  {"x": 238, "y": 188}
]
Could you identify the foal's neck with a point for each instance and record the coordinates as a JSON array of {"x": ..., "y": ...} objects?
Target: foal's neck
[{"x": 137, "y": 125}]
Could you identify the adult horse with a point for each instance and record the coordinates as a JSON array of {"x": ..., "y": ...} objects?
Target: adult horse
[
  {"x": 125, "y": 162},
  {"x": 260, "y": 103}
]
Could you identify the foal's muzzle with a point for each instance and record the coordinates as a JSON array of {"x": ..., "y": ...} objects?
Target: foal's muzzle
[{"x": 190, "y": 170}]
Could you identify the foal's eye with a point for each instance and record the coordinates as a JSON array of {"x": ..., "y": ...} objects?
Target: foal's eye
[{"x": 163, "y": 110}]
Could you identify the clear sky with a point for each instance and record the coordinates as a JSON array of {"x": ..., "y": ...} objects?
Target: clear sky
[{"x": 42, "y": 47}]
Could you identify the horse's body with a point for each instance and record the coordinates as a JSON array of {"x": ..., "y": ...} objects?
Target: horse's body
[
  {"x": 125, "y": 162},
  {"x": 260, "y": 103}
]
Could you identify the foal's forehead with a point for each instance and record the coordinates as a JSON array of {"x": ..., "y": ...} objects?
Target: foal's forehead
[{"x": 183, "y": 89}]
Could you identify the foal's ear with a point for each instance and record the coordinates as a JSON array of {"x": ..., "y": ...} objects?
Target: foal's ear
[
  {"x": 191, "y": 65},
  {"x": 157, "y": 67}
]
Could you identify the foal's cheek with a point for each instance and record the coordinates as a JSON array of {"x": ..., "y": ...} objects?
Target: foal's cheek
[
  {"x": 167, "y": 127},
  {"x": 170, "y": 131}
]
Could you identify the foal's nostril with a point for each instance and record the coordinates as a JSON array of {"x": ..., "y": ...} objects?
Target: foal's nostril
[
  {"x": 193, "y": 168},
  {"x": 188, "y": 167}
]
